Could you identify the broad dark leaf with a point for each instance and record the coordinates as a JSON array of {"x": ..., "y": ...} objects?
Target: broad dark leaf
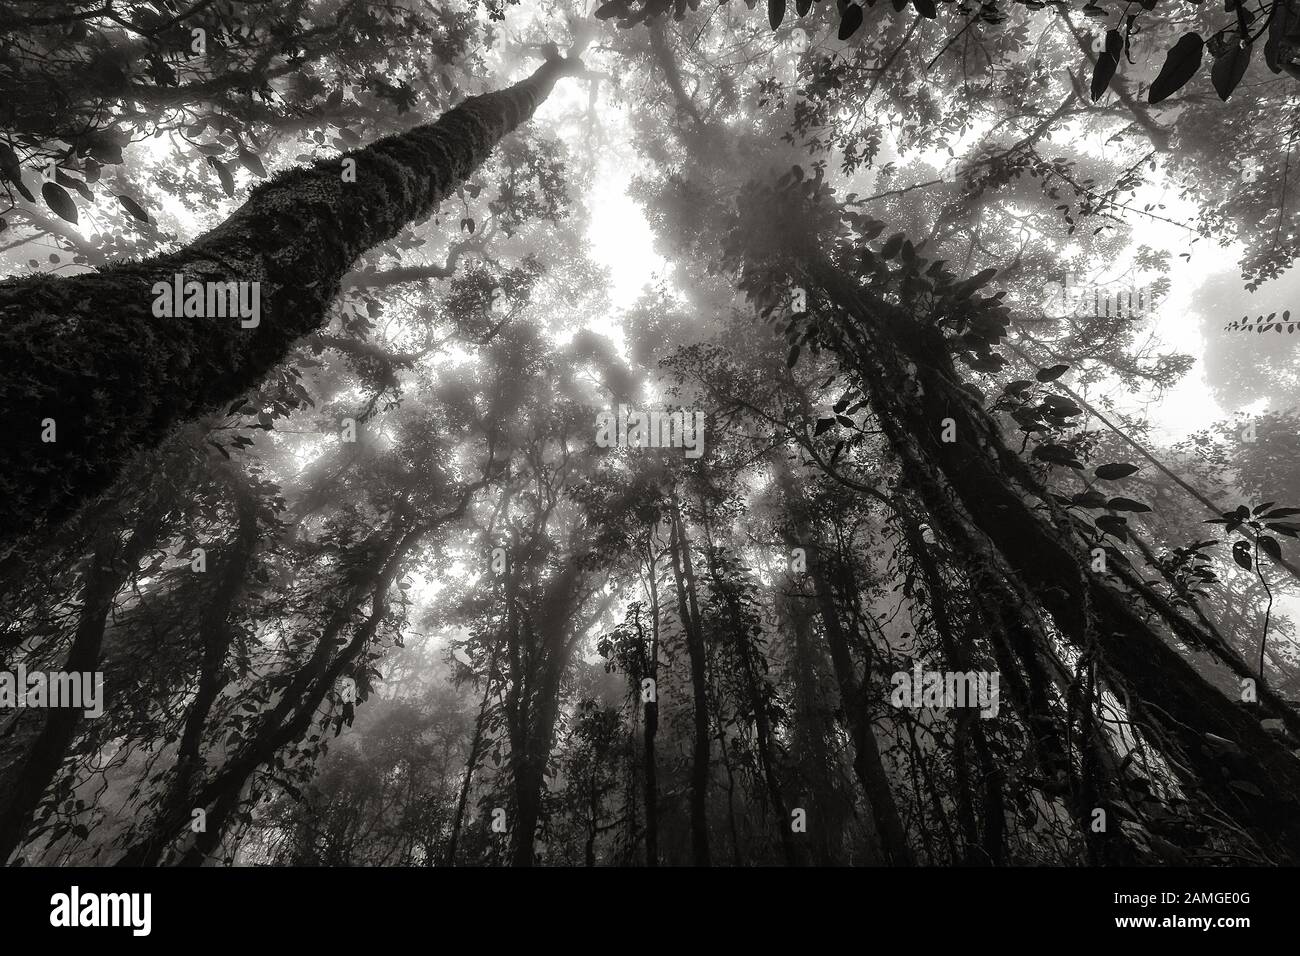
[
  {"x": 850, "y": 20},
  {"x": 1116, "y": 471},
  {"x": 775, "y": 12},
  {"x": 57, "y": 198},
  {"x": 1126, "y": 504},
  {"x": 253, "y": 163},
  {"x": 1057, "y": 455},
  {"x": 1181, "y": 65},
  {"x": 1114, "y": 525},
  {"x": 223, "y": 173},
  {"x": 1271, "y": 547},
  {"x": 1102, "y": 74},
  {"x": 1229, "y": 67},
  {"x": 1051, "y": 374},
  {"x": 134, "y": 208},
  {"x": 1241, "y": 554}
]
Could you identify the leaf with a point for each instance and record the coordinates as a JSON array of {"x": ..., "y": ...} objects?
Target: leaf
[
  {"x": 1113, "y": 525},
  {"x": 981, "y": 278},
  {"x": 792, "y": 357},
  {"x": 822, "y": 425},
  {"x": 1229, "y": 67},
  {"x": 1057, "y": 455},
  {"x": 1115, "y": 471},
  {"x": 775, "y": 12},
  {"x": 1114, "y": 43},
  {"x": 349, "y": 136},
  {"x": 892, "y": 246},
  {"x": 802, "y": 6},
  {"x": 9, "y": 164},
  {"x": 926, "y": 8},
  {"x": 253, "y": 163},
  {"x": 1127, "y": 504},
  {"x": 57, "y": 198},
  {"x": 1282, "y": 512},
  {"x": 1181, "y": 65},
  {"x": 1059, "y": 405},
  {"x": 134, "y": 208},
  {"x": 1271, "y": 547},
  {"x": 611, "y": 9},
  {"x": 1102, "y": 74},
  {"x": 1089, "y": 499},
  {"x": 334, "y": 100},
  {"x": 1051, "y": 374},
  {"x": 1241, "y": 554},
  {"x": 850, "y": 20},
  {"x": 223, "y": 173},
  {"x": 1018, "y": 386}
]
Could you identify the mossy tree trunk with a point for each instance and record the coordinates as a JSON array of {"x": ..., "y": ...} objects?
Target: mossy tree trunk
[{"x": 87, "y": 352}]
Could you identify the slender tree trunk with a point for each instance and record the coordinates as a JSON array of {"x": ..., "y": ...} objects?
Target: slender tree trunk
[
  {"x": 291, "y": 717},
  {"x": 699, "y": 691},
  {"x": 755, "y": 686},
  {"x": 471, "y": 763},
  {"x": 651, "y": 723},
  {"x": 112, "y": 563},
  {"x": 87, "y": 352},
  {"x": 867, "y": 764}
]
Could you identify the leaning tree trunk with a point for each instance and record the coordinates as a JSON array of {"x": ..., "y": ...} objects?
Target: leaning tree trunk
[
  {"x": 87, "y": 352},
  {"x": 988, "y": 503},
  {"x": 112, "y": 563}
]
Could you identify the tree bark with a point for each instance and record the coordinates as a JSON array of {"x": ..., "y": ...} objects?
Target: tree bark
[
  {"x": 87, "y": 351},
  {"x": 112, "y": 565},
  {"x": 699, "y": 688},
  {"x": 982, "y": 494}
]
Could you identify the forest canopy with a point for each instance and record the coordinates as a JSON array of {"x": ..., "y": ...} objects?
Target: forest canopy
[{"x": 649, "y": 432}]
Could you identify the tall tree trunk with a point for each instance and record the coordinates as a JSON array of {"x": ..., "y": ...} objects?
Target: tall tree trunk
[
  {"x": 1017, "y": 543},
  {"x": 679, "y": 547},
  {"x": 867, "y": 764},
  {"x": 650, "y": 729},
  {"x": 297, "y": 708},
  {"x": 112, "y": 563},
  {"x": 471, "y": 762},
  {"x": 87, "y": 351},
  {"x": 987, "y": 849},
  {"x": 754, "y": 686}
]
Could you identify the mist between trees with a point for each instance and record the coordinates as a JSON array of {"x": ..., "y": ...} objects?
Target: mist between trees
[{"x": 494, "y": 433}]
